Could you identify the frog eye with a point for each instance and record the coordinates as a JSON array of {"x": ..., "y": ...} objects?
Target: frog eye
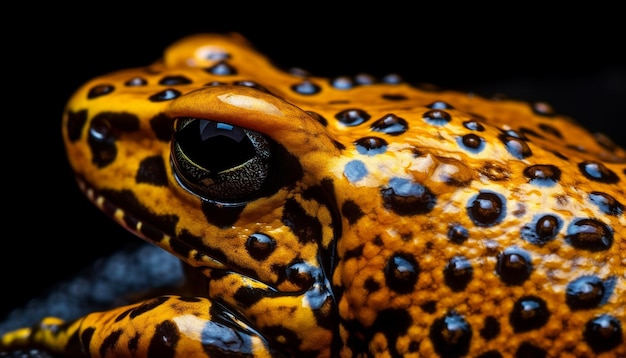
[{"x": 219, "y": 161}]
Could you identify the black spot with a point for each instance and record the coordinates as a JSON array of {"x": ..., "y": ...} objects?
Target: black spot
[
  {"x": 451, "y": 335},
  {"x": 152, "y": 232},
  {"x": 577, "y": 148},
  {"x": 457, "y": 233},
  {"x": 221, "y": 215},
  {"x": 490, "y": 354},
  {"x": 458, "y": 273},
  {"x": 406, "y": 197},
  {"x": 472, "y": 142},
  {"x": 100, "y": 90},
  {"x": 529, "y": 313},
  {"x": 541, "y": 231},
  {"x": 605, "y": 142},
  {"x": 165, "y": 95},
  {"x": 152, "y": 171},
  {"x": 473, "y": 125},
  {"x": 358, "y": 343},
  {"x": 429, "y": 306},
  {"x": 558, "y": 154},
  {"x": 393, "y": 323},
  {"x": 136, "y": 82},
  {"x": 280, "y": 333},
  {"x": 260, "y": 246},
  {"x": 186, "y": 242},
  {"x": 542, "y": 174},
  {"x": 85, "y": 337},
  {"x": 390, "y": 124},
  {"x": 550, "y": 130},
  {"x": 528, "y": 350},
  {"x": 215, "y": 83},
  {"x": 401, "y": 273},
  {"x": 606, "y": 203},
  {"x": 588, "y": 292},
  {"x": 530, "y": 132},
  {"x": 491, "y": 329},
  {"x": 513, "y": 133},
  {"x": 589, "y": 234},
  {"x": 440, "y": 105},
  {"x": 603, "y": 333},
  {"x": 356, "y": 252},
  {"x": 306, "y": 88},
  {"x": 437, "y": 117},
  {"x": 394, "y": 97},
  {"x": 161, "y": 125},
  {"x": 514, "y": 266},
  {"x": 189, "y": 299},
  {"x": 104, "y": 129},
  {"x": 164, "y": 340},
  {"x": 221, "y": 69},
  {"x": 338, "y": 145},
  {"x": 486, "y": 208},
  {"x": 352, "y": 117},
  {"x": 596, "y": 171},
  {"x": 246, "y": 296},
  {"x": 109, "y": 342},
  {"x": 174, "y": 80},
  {"x": 351, "y": 211},
  {"x": 148, "y": 306},
  {"x": 306, "y": 228},
  {"x": 318, "y": 117},
  {"x": 123, "y": 315},
  {"x": 371, "y": 285},
  {"x": 251, "y": 84},
  {"x": 517, "y": 147},
  {"x": 547, "y": 227},
  {"x": 75, "y": 124},
  {"x": 371, "y": 145},
  {"x": 302, "y": 274}
]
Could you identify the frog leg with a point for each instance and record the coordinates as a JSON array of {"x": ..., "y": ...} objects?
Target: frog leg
[{"x": 166, "y": 326}]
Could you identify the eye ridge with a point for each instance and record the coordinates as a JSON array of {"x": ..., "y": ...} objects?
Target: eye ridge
[{"x": 219, "y": 161}]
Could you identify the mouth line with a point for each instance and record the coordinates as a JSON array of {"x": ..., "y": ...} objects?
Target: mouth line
[{"x": 149, "y": 232}]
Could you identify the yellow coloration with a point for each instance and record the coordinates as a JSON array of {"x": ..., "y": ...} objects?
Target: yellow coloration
[{"x": 320, "y": 235}]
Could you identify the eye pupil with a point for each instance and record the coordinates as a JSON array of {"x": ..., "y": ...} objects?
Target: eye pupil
[
  {"x": 219, "y": 161},
  {"x": 215, "y": 146}
]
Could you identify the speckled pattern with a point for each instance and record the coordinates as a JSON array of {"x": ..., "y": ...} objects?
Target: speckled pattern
[{"x": 345, "y": 217}]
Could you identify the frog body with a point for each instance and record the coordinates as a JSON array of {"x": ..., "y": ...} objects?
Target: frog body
[{"x": 345, "y": 217}]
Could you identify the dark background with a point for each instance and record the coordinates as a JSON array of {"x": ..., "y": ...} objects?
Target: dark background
[{"x": 574, "y": 62}]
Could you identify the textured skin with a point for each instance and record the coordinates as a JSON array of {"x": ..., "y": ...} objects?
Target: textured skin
[{"x": 374, "y": 219}]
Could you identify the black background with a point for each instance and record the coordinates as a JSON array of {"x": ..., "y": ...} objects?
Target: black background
[{"x": 574, "y": 62}]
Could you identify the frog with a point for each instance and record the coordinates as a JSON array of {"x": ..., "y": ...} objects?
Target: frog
[{"x": 352, "y": 216}]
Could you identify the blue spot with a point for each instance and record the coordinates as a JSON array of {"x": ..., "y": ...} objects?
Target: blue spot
[{"x": 355, "y": 170}]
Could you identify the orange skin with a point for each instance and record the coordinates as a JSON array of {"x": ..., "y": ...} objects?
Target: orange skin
[{"x": 375, "y": 219}]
